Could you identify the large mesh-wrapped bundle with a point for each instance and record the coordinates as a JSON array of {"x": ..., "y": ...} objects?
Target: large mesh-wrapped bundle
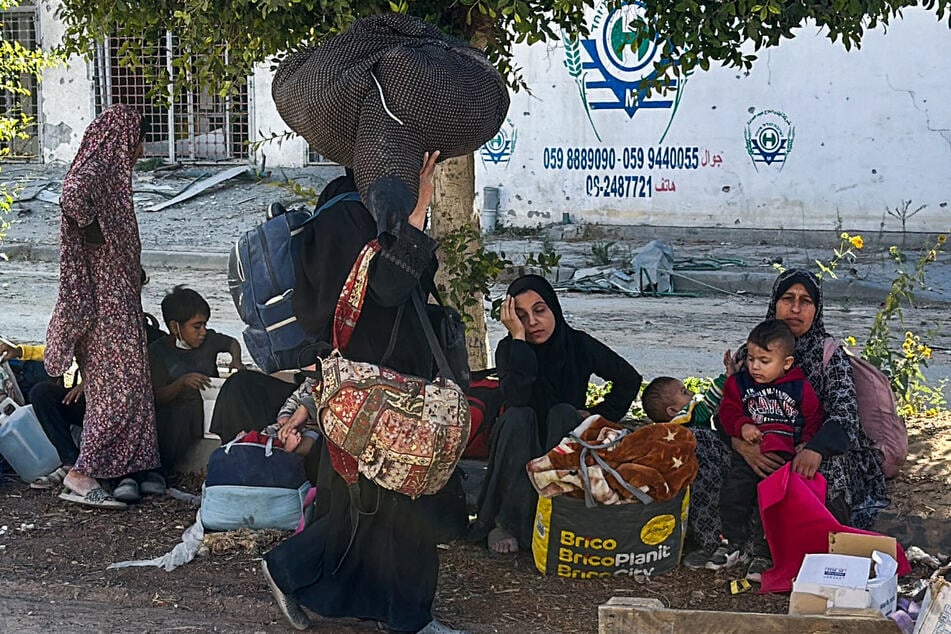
[{"x": 378, "y": 96}]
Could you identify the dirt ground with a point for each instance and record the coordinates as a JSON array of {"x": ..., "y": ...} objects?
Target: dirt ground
[
  {"x": 53, "y": 577},
  {"x": 53, "y": 556}
]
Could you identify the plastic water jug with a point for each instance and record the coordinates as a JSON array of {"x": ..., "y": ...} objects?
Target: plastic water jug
[{"x": 23, "y": 443}]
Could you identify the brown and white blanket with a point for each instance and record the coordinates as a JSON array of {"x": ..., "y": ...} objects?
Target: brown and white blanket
[{"x": 659, "y": 460}]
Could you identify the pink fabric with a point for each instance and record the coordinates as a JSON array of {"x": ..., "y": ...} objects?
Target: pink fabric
[
  {"x": 798, "y": 523},
  {"x": 308, "y": 500}
]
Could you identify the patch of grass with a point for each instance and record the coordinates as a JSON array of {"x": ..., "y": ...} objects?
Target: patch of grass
[{"x": 601, "y": 252}]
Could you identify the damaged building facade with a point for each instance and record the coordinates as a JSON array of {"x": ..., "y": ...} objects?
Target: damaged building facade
[{"x": 813, "y": 137}]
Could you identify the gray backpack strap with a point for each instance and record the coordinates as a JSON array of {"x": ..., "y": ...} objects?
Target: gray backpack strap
[{"x": 592, "y": 450}]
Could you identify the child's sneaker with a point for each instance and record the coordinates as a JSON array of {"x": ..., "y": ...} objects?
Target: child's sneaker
[
  {"x": 758, "y": 566},
  {"x": 725, "y": 556},
  {"x": 697, "y": 559}
]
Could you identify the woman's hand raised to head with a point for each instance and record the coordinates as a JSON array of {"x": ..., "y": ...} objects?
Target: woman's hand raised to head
[
  {"x": 510, "y": 319},
  {"x": 730, "y": 366},
  {"x": 762, "y": 464},
  {"x": 418, "y": 217}
]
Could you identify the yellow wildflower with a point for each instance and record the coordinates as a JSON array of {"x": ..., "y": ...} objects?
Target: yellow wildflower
[
  {"x": 844, "y": 235},
  {"x": 857, "y": 242}
]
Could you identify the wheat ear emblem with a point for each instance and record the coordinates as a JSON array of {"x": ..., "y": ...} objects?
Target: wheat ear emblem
[{"x": 573, "y": 64}]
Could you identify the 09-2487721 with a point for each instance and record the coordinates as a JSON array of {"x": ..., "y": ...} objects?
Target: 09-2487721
[{"x": 618, "y": 186}]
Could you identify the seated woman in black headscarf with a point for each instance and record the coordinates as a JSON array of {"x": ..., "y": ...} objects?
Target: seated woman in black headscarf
[{"x": 544, "y": 367}]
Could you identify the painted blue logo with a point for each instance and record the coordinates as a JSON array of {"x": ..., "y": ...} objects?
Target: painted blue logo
[
  {"x": 612, "y": 68},
  {"x": 499, "y": 149},
  {"x": 769, "y": 138}
]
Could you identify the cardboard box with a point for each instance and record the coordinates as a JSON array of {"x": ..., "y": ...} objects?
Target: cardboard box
[
  {"x": 834, "y": 582},
  {"x": 935, "y": 615},
  {"x": 862, "y": 545}
]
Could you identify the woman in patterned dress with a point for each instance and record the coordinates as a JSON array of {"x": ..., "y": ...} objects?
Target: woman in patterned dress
[
  {"x": 856, "y": 481},
  {"x": 98, "y": 315}
]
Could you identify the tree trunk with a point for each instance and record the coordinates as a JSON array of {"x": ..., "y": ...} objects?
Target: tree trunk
[{"x": 452, "y": 208}]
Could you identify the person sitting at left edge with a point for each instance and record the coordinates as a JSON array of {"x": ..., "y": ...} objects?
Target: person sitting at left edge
[{"x": 25, "y": 363}]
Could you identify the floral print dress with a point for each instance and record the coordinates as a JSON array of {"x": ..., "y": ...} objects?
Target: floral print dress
[{"x": 98, "y": 316}]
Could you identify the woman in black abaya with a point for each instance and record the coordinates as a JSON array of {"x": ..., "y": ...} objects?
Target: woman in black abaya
[
  {"x": 544, "y": 367},
  {"x": 375, "y": 559}
]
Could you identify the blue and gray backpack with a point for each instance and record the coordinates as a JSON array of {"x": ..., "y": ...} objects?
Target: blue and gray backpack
[{"x": 261, "y": 280}]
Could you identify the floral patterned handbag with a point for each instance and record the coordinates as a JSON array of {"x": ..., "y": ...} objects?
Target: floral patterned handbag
[{"x": 403, "y": 432}]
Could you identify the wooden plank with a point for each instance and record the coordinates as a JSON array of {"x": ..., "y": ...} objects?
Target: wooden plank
[
  {"x": 201, "y": 186},
  {"x": 625, "y": 615}
]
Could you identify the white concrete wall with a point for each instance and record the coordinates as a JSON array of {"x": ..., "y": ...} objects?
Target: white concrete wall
[
  {"x": 871, "y": 128},
  {"x": 265, "y": 122},
  {"x": 66, "y": 93}
]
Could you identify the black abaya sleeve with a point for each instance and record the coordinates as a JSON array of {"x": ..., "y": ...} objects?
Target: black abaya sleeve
[
  {"x": 518, "y": 370},
  {"x": 405, "y": 259},
  {"x": 329, "y": 246},
  {"x": 625, "y": 380}
]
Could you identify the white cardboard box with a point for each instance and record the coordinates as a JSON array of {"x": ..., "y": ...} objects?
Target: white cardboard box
[{"x": 841, "y": 582}]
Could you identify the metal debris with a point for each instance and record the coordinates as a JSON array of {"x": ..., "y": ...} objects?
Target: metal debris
[{"x": 200, "y": 187}]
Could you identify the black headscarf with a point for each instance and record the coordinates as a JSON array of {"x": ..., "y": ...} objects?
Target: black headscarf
[
  {"x": 316, "y": 288},
  {"x": 562, "y": 359},
  {"x": 809, "y": 345}
]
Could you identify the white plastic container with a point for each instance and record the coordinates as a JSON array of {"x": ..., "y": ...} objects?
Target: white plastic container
[
  {"x": 208, "y": 397},
  {"x": 24, "y": 444}
]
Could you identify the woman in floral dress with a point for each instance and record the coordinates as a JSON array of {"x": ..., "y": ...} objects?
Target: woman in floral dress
[{"x": 98, "y": 315}]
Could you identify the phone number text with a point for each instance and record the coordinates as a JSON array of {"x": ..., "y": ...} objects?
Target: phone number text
[
  {"x": 618, "y": 186},
  {"x": 609, "y": 158}
]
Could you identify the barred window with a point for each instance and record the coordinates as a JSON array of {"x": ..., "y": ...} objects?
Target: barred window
[
  {"x": 198, "y": 125},
  {"x": 19, "y": 25}
]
